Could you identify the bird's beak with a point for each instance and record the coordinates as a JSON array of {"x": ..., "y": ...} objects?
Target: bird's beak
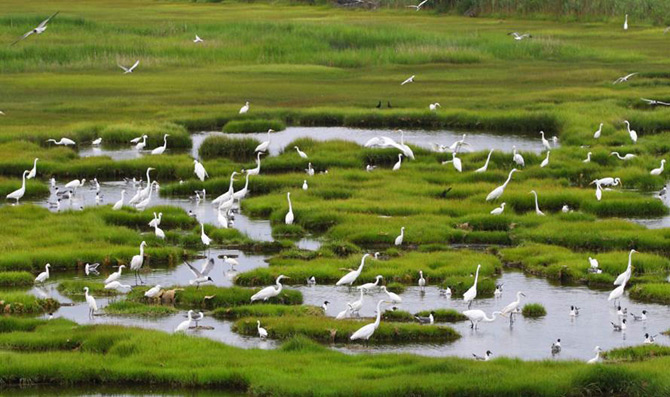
[{"x": 523, "y": 294}]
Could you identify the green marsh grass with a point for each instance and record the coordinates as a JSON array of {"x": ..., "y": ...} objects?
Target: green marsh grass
[
  {"x": 238, "y": 149},
  {"x": 269, "y": 310},
  {"x": 16, "y": 279},
  {"x": 252, "y": 125},
  {"x": 23, "y": 303},
  {"x": 533, "y": 310},
  {"x": 441, "y": 315},
  {"x": 129, "y": 308}
]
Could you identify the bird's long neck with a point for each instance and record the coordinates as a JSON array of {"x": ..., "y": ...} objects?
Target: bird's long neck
[
  {"x": 47, "y": 270},
  {"x": 379, "y": 313},
  {"x": 230, "y": 187},
  {"x": 279, "y": 286},
  {"x": 509, "y": 178},
  {"x": 488, "y": 320},
  {"x": 165, "y": 140},
  {"x": 476, "y": 276},
  {"x": 630, "y": 260},
  {"x": 24, "y": 180},
  {"x": 148, "y": 179},
  {"x": 290, "y": 206},
  {"x": 360, "y": 267},
  {"x": 258, "y": 159},
  {"x": 246, "y": 184},
  {"x": 488, "y": 158},
  {"x": 537, "y": 207},
  {"x": 141, "y": 250},
  {"x": 35, "y": 163}
]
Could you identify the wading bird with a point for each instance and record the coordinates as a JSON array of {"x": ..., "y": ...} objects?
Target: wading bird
[
  {"x": 418, "y": 6},
  {"x": 476, "y": 316},
  {"x": 626, "y": 157},
  {"x": 367, "y": 331},
  {"x": 433, "y": 106},
  {"x": 545, "y": 162},
  {"x": 486, "y": 164},
  {"x": 91, "y": 268},
  {"x": 264, "y": 145},
  {"x": 537, "y": 207},
  {"x": 471, "y": 293},
  {"x": 244, "y": 109},
  {"x": 617, "y": 293},
  {"x": 20, "y": 192},
  {"x": 659, "y": 170},
  {"x": 518, "y": 158},
  {"x": 393, "y": 297},
  {"x": 153, "y": 292},
  {"x": 422, "y": 281},
  {"x": 623, "y": 79},
  {"x": 595, "y": 359},
  {"x": 596, "y": 134},
  {"x": 556, "y": 347},
  {"x": 367, "y": 287},
  {"x": 115, "y": 276},
  {"x": 397, "y": 165},
  {"x": 398, "y": 240},
  {"x": 271, "y": 291},
  {"x": 625, "y": 276},
  {"x": 350, "y": 278},
  {"x": 654, "y": 102},
  {"x": 632, "y": 133},
  {"x": 625, "y": 23},
  {"x": 512, "y": 307},
  {"x": 33, "y": 171},
  {"x": 588, "y": 158},
  {"x": 63, "y": 142},
  {"x": 130, "y": 69},
  {"x": 357, "y": 305},
  {"x": 309, "y": 170},
  {"x": 458, "y": 165},
  {"x": 300, "y": 152},
  {"x": 186, "y": 324},
  {"x": 92, "y": 304},
  {"x": 38, "y": 30},
  {"x": 430, "y": 319},
  {"x": 117, "y": 286},
  {"x": 262, "y": 332},
  {"x": 545, "y": 142},
  {"x": 157, "y": 220},
  {"x": 227, "y": 195},
  {"x": 96, "y": 142},
  {"x": 161, "y": 149},
  {"x": 44, "y": 276},
  {"x": 141, "y": 145},
  {"x": 289, "y": 218},
  {"x": 200, "y": 170},
  {"x": 499, "y": 210},
  {"x": 137, "y": 261}
]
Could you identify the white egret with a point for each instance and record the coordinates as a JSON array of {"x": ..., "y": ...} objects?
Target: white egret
[
  {"x": 545, "y": 162},
  {"x": 115, "y": 276},
  {"x": 393, "y": 297},
  {"x": 229, "y": 194},
  {"x": 433, "y": 106},
  {"x": 157, "y": 220},
  {"x": 659, "y": 170},
  {"x": 476, "y": 316},
  {"x": 545, "y": 142},
  {"x": 153, "y": 291},
  {"x": 202, "y": 275},
  {"x": 230, "y": 261},
  {"x": 369, "y": 168},
  {"x": 367, "y": 331},
  {"x": 262, "y": 332},
  {"x": 401, "y": 237},
  {"x": 63, "y": 142},
  {"x": 305, "y": 186},
  {"x": 595, "y": 359},
  {"x": 625, "y": 23},
  {"x": 137, "y": 261},
  {"x": 471, "y": 293},
  {"x": 242, "y": 193},
  {"x": 497, "y": 192},
  {"x": 310, "y": 169},
  {"x": 458, "y": 165},
  {"x": 632, "y": 133},
  {"x": 654, "y": 102},
  {"x": 609, "y": 181},
  {"x": 499, "y": 210},
  {"x": 186, "y": 324},
  {"x": 161, "y": 149},
  {"x": 117, "y": 206},
  {"x": 257, "y": 170},
  {"x": 367, "y": 287},
  {"x": 159, "y": 232},
  {"x": 498, "y": 291},
  {"x": 44, "y": 276},
  {"x": 518, "y": 158},
  {"x": 130, "y": 69},
  {"x": 142, "y": 205},
  {"x": 264, "y": 145},
  {"x": 300, "y": 152},
  {"x": 512, "y": 307},
  {"x": 244, "y": 109},
  {"x": 200, "y": 170},
  {"x": 351, "y": 277},
  {"x": 486, "y": 164},
  {"x": 96, "y": 142},
  {"x": 204, "y": 237},
  {"x": 271, "y": 291},
  {"x": 198, "y": 39},
  {"x": 628, "y": 156},
  {"x": 408, "y": 80},
  {"x": 625, "y": 276},
  {"x": 357, "y": 305},
  {"x": 117, "y": 286},
  {"x": 92, "y": 304},
  {"x": 537, "y": 207},
  {"x": 596, "y": 134},
  {"x": 289, "y": 218},
  {"x": 74, "y": 184},
  {"x": 20, "y": 192},
  {"x": 422, "y": 281},
  {"x": 588, "y": 158},
  {"x": 397, "y": 165},
  {"x": 33, "y": 171},
  {"x": 456, "y": 146},
  {"x": 406, "y": 150},
  {"x": 344, "y": 313},
  {"x": 38, "y": 30},
  {"x": 624, "y": 78},
  {"x": 143, "y": 144},
  {"x": 617, "y": 292},
  {"x": 599, "y": 192},
  {"x": 593, "y": 262}
]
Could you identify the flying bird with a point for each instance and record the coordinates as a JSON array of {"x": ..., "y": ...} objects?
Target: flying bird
[
  {"x": 624, "y": 78},
  {"x": 198, "y": 39},
  {"x": 130, "y": 69},
  {"x": 418, "y": 7},
  {"x": 38, "y": 30},
  {"x": 409, "y": 80},
  {"x": 518, "y": 36}
]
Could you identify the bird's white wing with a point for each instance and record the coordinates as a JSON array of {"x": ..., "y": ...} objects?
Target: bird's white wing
[
  {"x": 207, "y": 267},
  {"x": 93, "y": 266},
  {"x": 43, "y": 24},
  {"x": 423, "y": 2},
  {"x": 195, "y": 271},
  {"x": 134, "y": 66},
  {"x": 649, "y": 101},
  {"x": 22, "y": 37},
  {"x": 630, "y": 75},
  {"x": 122, "y": 67}
]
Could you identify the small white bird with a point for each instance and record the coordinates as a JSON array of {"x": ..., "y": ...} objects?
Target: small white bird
[
  {"x": 349, "y": 278},
  {"x": 476, "y": 316},
  {"x": 44, "y": 276},
  {"x": 199, "y": 170},
  {"x": 244, "y": 109},
  {"x": 418, "y": 7},
  {"x": 458, "y": 165},
  {"x": 115, "y": 276},
  {"x": 409, "y": 80},
  {"x": 184, "y": 325},
  {"x": 392, "y": 296},
  {"x": 262, "y": 147},
  {"x": 92, "y": 304},
  {"x": 624, "y": 78},
  {"x": 310, "y": 169},
  {"x": 545, "y": 142},
  {"x": 367, "y": 331},
  {"x": 518, "y": 36},
  {"x": 545, "y": 162},
  {"x": 565, "y": 209},
  {"x": 397, "y": 165},
  {"x": 96, "y": 142},
  {"x": 367, "y": 287},
  {"x": 401, "y": 236},
  {"x": 596, "y": 134},
  {"x": 38, "y": 30},
  {"x": 271, "y": 291},
  {"x": 198, "y": 39},
  {"x": 304, "y": 185},
  {"x": 300, "y": 152},
  {"x": 499, "y": 210},
  {"x": 631, "y": 133},
  {"x": 537, "y": 207},
  {"x": 595, "y": 359},
  {"x": 141, "y": 145},
  {"x": 153, "y": 291},
  {"x": 433, "y": 106},
  {"x": 654, "y": 102},
  {"x": 471, "y": 293},
  {"x": 486, "y": 164},
  {"x": 649, "y": 339},
  {"x": 91, "y": 268},
  {"x": 20, "y": 192},
  {"x": 159, "y": 232},
  {"x": 230, "y": 261},
  {"x": 625, "y": 23},
  {"x": 641, "y": 317},
  {"x": 593, "y": 262},
  {"x": 556, "y": 347},
  {"x": 344, "y": 313},
  {"x": 160, "y": 149},
  {"x": 130, "y": 69},
  {"x": 574, "y": 311},
  {"x": 262, "y": 332},
  {"x": 621, "y": 327},
  {"x": 117, "y": 286},
  {"x": 157, "y": 220},
  {"x": 659, "y": 170},
  {"x": 204, "y": 237},
  {"x": 498, "y": 192},
  {"x": 518, "y": 158},
  {"x": 588, "y": 158},
  {"x": 626, "y": 157},
  {"x": 422, "y": 281}
]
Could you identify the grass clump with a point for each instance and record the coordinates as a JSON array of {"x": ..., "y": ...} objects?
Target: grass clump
[
  {"x": 269, "y": 310},
  {"x": 129, "y": 308},
  {"x": 75, "y": 289},
  {"x": 22, "y": 303},
  {"x": 252, "y": 125},
  {"x": 533, "y": 310},
  {"x": 121, "y": 134},
  {"x": 637, "y": 353},
  {"x": 651, "y": 292},
  {"x": 440, "y": 315},
  {"x": 16, "y": 279},
  {"x": 338, "y": 331},
  {"x": 237, "y": 149}
]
